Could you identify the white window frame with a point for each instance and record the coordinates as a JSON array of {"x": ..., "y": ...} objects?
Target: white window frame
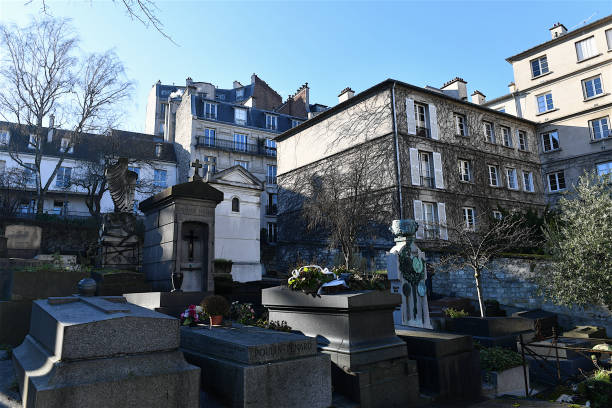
[
  {"x": 465, "y": 171},
  {"x": 461, "y": 125},
  {"x": 61, "y": 181},
  {"x": 497, "y": 215},
  {"x": 528, "y": 182},
  {"x": 238, "y": 113},
  {"x": 431, "y": 223},
  {"x": 511, "y": 178},
  {"x": 557, "y": 184},
  {"x": 595, "y": 93},
  {"x": 496, "y": 172},
  {"x": 551, "y": 141},
  {"x": 210, "y": 136},
  {"x": 469, "y": 218},
  {"x": 210, "y": 110},
  {"x": 271, "y": 122},
  {"x": 489, "y": 131},
  {"x": 272, "y": 232},
  {"x": 506, "y": 136},
  {"x": 271, "y": 170},
  {"x": 598, "y": 124},
  {"x": 546, "y": 106},
  {"x": 609, "y": 38},
  {"x": 421, "y": 110},
  {"x": 523, "y": 142},
  {"x": 30, "y": 175},
  {"x": 540, "y": 66},
  {"x": 586, "y": 48},
  {"x": 5, "y": 137},
  {"x": 426, "y": 169}
]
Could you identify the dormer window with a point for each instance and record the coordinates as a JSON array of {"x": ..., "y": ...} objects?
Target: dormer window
[
  {"x": 271, "y": 122},
  {"x": 158, "y": 150},
  {"x": 240, "y": 116},
  {"x": 210, "y": 110},
  {"x": 294, "y": 123},
  {"x": 65, "y": 146},
  {"x": 239, "y": 93}
]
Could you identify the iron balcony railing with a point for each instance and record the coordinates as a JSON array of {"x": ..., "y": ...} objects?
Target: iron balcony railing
[
  {"x": 431, "y": 230},
  {"x": 271, "y": 179},
  {"x": 423, "y": 131},
  {"x": 427, "y": 182},
  {"x": 234, "y": 146},
  {"x": 271, "y": 209}
]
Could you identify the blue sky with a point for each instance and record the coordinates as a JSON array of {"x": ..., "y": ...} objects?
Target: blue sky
[{"x": 329, "y": 44}]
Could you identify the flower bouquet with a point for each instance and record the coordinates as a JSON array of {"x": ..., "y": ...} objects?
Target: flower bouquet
[{"x": 193, "y": 315}]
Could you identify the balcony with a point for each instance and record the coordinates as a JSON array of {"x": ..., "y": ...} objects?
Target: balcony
[
  {"x": 427, "y": 182},
  {"x": 271, "y": 180},
  {"x": 231, "y": 146},
  {"x": 271, "y": 209},
  {"x": 431, "y": 230}
]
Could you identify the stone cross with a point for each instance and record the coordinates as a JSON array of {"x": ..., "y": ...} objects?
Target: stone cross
[
  {"x": 191, "y": 237},
  {"x": 196, "y": 172}
]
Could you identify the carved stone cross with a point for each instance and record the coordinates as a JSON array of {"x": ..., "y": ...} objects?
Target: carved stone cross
[
  {"x": 191, "y": 237},
  {"x": 196, "y": 172}
]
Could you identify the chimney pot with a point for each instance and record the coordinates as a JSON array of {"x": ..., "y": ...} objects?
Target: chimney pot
[
  {"x": 512, "y": 87},
  {"x": 346, "y": 94},
  {"x": 557, "y": 30},
  {"x": 456, "y": 87},
  {"x": 478, "y": 97}
]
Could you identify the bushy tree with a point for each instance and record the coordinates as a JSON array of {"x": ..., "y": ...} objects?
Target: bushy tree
[{"x": 581, "y": 245}]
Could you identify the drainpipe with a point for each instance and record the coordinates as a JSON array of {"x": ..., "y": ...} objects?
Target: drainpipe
[{"x": 398, "y": 167}]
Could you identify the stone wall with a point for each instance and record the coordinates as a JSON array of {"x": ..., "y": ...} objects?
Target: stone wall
[{"x": 510, "y": 281}]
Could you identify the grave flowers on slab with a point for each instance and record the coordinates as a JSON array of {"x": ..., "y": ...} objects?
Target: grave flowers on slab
[
  {"x": 193, "y": 315},
  {"x": 314, "y": 279}
]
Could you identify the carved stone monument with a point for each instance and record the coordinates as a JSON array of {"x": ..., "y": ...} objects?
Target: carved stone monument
[
  {"x": 407, "y": 273},
  {"x": 119, "y": 247},
  {"x": 179, "y": 245}
]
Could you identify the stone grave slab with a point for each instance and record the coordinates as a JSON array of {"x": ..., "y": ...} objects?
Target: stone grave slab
[
  {"x": 543, "y": 322},
  {"x": 168, "y": 303},
  {"x": 253, "y": 367},
  {"x": 587, "y": 332},
  {"x": 100, "y": 352}
]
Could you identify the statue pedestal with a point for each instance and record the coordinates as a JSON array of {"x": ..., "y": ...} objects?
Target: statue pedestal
[{"x": 119, "y": 246}]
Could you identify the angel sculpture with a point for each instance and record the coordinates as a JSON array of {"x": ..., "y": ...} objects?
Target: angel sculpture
[{"x": 121, "y": 185}]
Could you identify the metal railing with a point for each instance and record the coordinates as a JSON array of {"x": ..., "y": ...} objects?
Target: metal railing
[
  {"x": 234, "y": 146},
  {"x": 271, "y": 209},
  {"x": 423, "y": 131},
  {"x": 271, "y": 179},
  {"x": 427, "y": 181}
]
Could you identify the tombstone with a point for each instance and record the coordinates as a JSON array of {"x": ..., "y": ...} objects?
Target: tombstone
[
  {"x": 178, "y": 246},
  {"x": 249, "y": 366},
  {"x": 101, "y": 352},
  {"x": 407, "y": 272},
  {"x": 23, "y": 241}
]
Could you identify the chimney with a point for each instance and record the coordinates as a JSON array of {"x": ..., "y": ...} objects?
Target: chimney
[
  {"x": 237, "y": 84},
  {"x": 478, "y": 98},
  {"x": 51, "y": 127},
  {"x": 456, "y": 87},
  {"x": 188, "y": 81},
  {"x": 346, "y": 94},
  {"x": 512, "y": 87},
  {"x": 557, "y": 30},
  {"x": 253, "y": 78}
]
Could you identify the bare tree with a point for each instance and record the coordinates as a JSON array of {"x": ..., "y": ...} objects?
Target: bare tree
[
  {"x": 43, "y": 78},
  {"x": 13, "y": 183},
  {"x": 475, "y": 243}
]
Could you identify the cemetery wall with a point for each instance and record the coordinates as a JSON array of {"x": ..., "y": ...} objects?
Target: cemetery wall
[{"x": 510, "y": 281}]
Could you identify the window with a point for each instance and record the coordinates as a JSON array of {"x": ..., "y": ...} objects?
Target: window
[
  {"x": 272, "y": 204},
  {"x": 545, "y": 102},
  {"x": 242, "y": 163},
  {"x": 162, "y": 128},
  {"x": 556, "y": 181},
  {"x": 5, "y": 136},
  {"x": 294, "y": 123},
  {"x": 421, "y": 119},
  {"x": 430, "y": 220},
  {"x": 271, "y": 122},
  {"x": 493, "y": 179},
  {"x": 426, "y": 163},
  {"x": 609, "y": 38},
  {"x": 158, "y": 149},
  {"x": 60, "y": 207},
  {"x": 506, "y": 136},
  {"x": 469, "y": 218},
  {"x": 64, "y": 145},
  {"x": 210, "y": 110},
  {"x": 522, "y": 140},
  {"x": 270, "y": 147},
  {"x": 239, "y": 93},
  {"x": 550, "y": 141},
  {"x": 586, "y": 48},
  {"x": 272, "y": 232},
  {"x": 528, "y": 181},
  {"x": 592, "y": 87},
  {"x": 27, "y": 207},
  {"x": 271, "y": 175},
  {"x": 62, "y": 178},
  {"x": 209, "y": 137},
  {"x": 539, "y": 66},
  {"x": 512, "y": 181},
  {"x": 460, "y": 125},
  {"x": 32, "y": 142},
  {"x": 599, "y": 128},
  {"x": 465, "y": 171},
  {"x": 497, "y": 215},
  {"x": 235, "y": 204},
  {"x": 159, "y": 178},
  {"x": 489, "y": 132},
  {"x": 240, "y": 142},
  {"x": 604, "y": 168},
  {"x": 29, "y": 173},
  {"x": 211, "y": 165},
  {"x": 240, "y": 116}
]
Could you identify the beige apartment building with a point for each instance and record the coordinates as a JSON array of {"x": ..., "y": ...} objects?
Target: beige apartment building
[
  {"x": 439, "y": 158},
  {"x": 565, "y": 85}
]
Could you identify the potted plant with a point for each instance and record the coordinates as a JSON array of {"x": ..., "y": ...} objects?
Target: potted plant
[
  {"x": 502, "y": 371},
  {"x": 216, "y": 307}
]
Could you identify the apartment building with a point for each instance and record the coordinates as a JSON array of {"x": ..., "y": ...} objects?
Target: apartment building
[
  {"x": 152, "y": 158},
  {"x": 448, "y": 161},
  {"x": 565, "y": 85}
]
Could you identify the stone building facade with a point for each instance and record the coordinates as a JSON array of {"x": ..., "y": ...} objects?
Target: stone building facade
[
  {"x": 564, "y": 85},
  {"x": 444, "y": 161}
]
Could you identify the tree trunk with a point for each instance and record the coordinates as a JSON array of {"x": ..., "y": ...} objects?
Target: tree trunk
[{"x": 479, "y": 292}]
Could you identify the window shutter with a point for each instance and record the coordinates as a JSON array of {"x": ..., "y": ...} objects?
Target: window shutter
[
  {"x": 410, "y": 116},
  {"x": 438, "y": 174},
  {"x": 418, "y": 217},
  {"x": 433, "y": 122},
  {"x": 442, "y": 221},
  {"x": 415, "y": 171}
]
